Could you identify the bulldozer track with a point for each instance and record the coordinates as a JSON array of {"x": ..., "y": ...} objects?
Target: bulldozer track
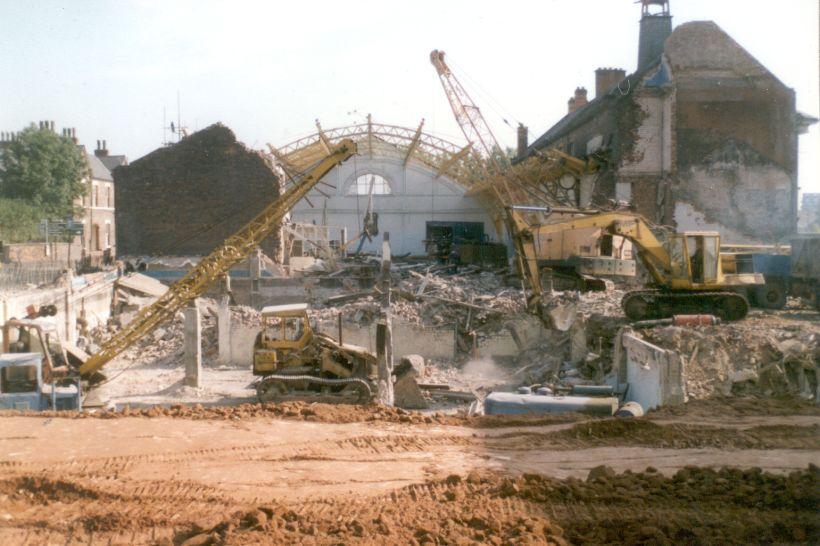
[{"x": 364, "y": 390}]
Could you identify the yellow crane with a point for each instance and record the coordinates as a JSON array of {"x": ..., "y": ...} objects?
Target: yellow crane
[
  {"x": 685, "y": 267},
  {"x": 536, "y": 180},
  {"x": 216, "y": 264}
]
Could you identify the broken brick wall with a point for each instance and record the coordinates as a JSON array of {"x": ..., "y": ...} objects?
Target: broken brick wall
[{"x": 187, "y": 198}]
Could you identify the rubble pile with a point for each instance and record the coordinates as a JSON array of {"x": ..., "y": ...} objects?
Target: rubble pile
[
  {"x": 580, "y": 350},
  {"x": 760, "y": 355},
  {"x": 473, "y": 300},
  {"x": 163, "y": 346}
]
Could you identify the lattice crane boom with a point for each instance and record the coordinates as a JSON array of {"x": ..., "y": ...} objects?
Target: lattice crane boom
[
  {"x": 216, "y": 264},
  {"x": 468, "y": 115}
]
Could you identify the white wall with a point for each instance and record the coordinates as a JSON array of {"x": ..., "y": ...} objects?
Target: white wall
[{"x": 417, "y": 198}]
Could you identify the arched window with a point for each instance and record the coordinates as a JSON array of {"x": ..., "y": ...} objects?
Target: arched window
[{"x": 361, "y": 186}]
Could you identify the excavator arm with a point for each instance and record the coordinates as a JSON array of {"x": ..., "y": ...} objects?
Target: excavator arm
[
  {"x": 216, "y": 264},
  {"x": 526, "y": 257}
]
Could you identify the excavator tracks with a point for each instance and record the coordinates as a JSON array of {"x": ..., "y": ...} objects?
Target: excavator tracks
[{"x": 659, "y": 304}]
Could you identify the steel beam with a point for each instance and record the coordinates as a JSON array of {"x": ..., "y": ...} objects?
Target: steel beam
[{"x": 414, "y": 143}]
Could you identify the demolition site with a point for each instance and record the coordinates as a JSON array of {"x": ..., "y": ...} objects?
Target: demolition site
[{"x": 376, "y": 335}]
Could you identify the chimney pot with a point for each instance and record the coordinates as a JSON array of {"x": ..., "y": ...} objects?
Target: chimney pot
[
  {"x": 580, "y": 99},
  {"x": 100, "y": 151}
]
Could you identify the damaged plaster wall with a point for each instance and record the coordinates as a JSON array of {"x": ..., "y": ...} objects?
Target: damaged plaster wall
[
  {"x": 736, "y": 143},
  {"x": 746, "y": 203}
]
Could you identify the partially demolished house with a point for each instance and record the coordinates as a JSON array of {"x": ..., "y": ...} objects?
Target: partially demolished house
[
  {"x": 701, "y": 136},
  {"x": 185, "y": 199}
]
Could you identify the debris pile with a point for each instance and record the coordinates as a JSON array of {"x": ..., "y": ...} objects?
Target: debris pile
[
  {"x": 762, "y": 354},
  {"x": 475, "y": 300},
  {"x": 163, "y": 346}
]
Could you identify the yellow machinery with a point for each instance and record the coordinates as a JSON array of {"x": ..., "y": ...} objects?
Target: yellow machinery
[
  {"x": 685, "y": 267},
  {"x": 216, "y": 264},
  {"x": 295, "y": 360}
]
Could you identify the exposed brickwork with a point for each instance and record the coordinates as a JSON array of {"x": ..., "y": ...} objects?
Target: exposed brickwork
[
  {"x": 706, "y": 128},
  {"x": 187, "y": 198}
]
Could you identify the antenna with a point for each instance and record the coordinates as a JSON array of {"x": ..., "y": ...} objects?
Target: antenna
[{"x": 177, "y": 128}]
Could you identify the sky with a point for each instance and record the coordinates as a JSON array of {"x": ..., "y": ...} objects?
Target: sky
[{"x": 268, "y": 70}]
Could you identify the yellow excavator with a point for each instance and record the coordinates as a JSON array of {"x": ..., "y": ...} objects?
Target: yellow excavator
[
  {"x": 215, "y": 265},
  {"x": 685, "y": 267}
]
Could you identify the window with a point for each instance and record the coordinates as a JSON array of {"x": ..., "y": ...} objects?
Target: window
[
  {"x": 18, "y": 379},
  {"x": 678, "y": 262},
  {"x": 95, "y": 237},
  {"x": 109, "y": 201},
  {"x": 95, "y": 196},
  {"x": 361, "y": 186}
]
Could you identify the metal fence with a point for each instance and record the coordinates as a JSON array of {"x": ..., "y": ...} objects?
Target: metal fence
[{"x": 17, "y": 276}]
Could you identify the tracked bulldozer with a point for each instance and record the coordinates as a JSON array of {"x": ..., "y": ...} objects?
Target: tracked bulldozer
[{"x": 294, "y": 361}]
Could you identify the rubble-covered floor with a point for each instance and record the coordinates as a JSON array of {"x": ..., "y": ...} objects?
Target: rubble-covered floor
[{"x": 769, "y": 353}]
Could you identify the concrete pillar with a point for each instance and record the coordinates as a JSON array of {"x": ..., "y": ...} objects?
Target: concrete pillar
[
  {"x": 384, "y": 330},
  {"x": 223, "y": 326},
  {"x": 70, "y": 313},
  {"x": 578, "y": 349},
  {"x": 255, "y": 264},
  {"x": 193, "y": 346},
  {"x": 384, "y": 356}
]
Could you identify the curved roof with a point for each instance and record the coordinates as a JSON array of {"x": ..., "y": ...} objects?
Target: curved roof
[{"x": 380, "y": 140}]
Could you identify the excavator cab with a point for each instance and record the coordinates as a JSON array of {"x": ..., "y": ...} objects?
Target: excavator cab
[{"x": 694, "y": 259}]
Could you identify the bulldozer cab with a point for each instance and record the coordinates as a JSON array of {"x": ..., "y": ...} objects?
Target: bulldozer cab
[
  {"x": 286, "y": 326},
  {"x": 694, "y": 259},
  {"x": 285, "y": 329}
]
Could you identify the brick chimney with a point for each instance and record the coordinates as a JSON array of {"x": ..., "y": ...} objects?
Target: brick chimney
[
  {"x": 102, "y": 149},
  {"x": 523, "y": 139},
  {"x": 578, "y": 101},
  {"x": 607, "y": 78}
]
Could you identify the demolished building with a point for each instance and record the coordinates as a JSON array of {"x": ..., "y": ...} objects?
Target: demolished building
[
  {"x": 186, "y": 198},
  {"x": 415, "y": 184},
  {"x": 701, "y": 136}
]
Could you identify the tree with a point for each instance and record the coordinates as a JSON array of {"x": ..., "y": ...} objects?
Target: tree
[
  {"x": 19, "y": 221},
  {"x": 44, "y": 170}
]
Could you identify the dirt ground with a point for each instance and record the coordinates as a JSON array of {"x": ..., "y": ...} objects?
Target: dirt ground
[{"x": 320, "y": 474}]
